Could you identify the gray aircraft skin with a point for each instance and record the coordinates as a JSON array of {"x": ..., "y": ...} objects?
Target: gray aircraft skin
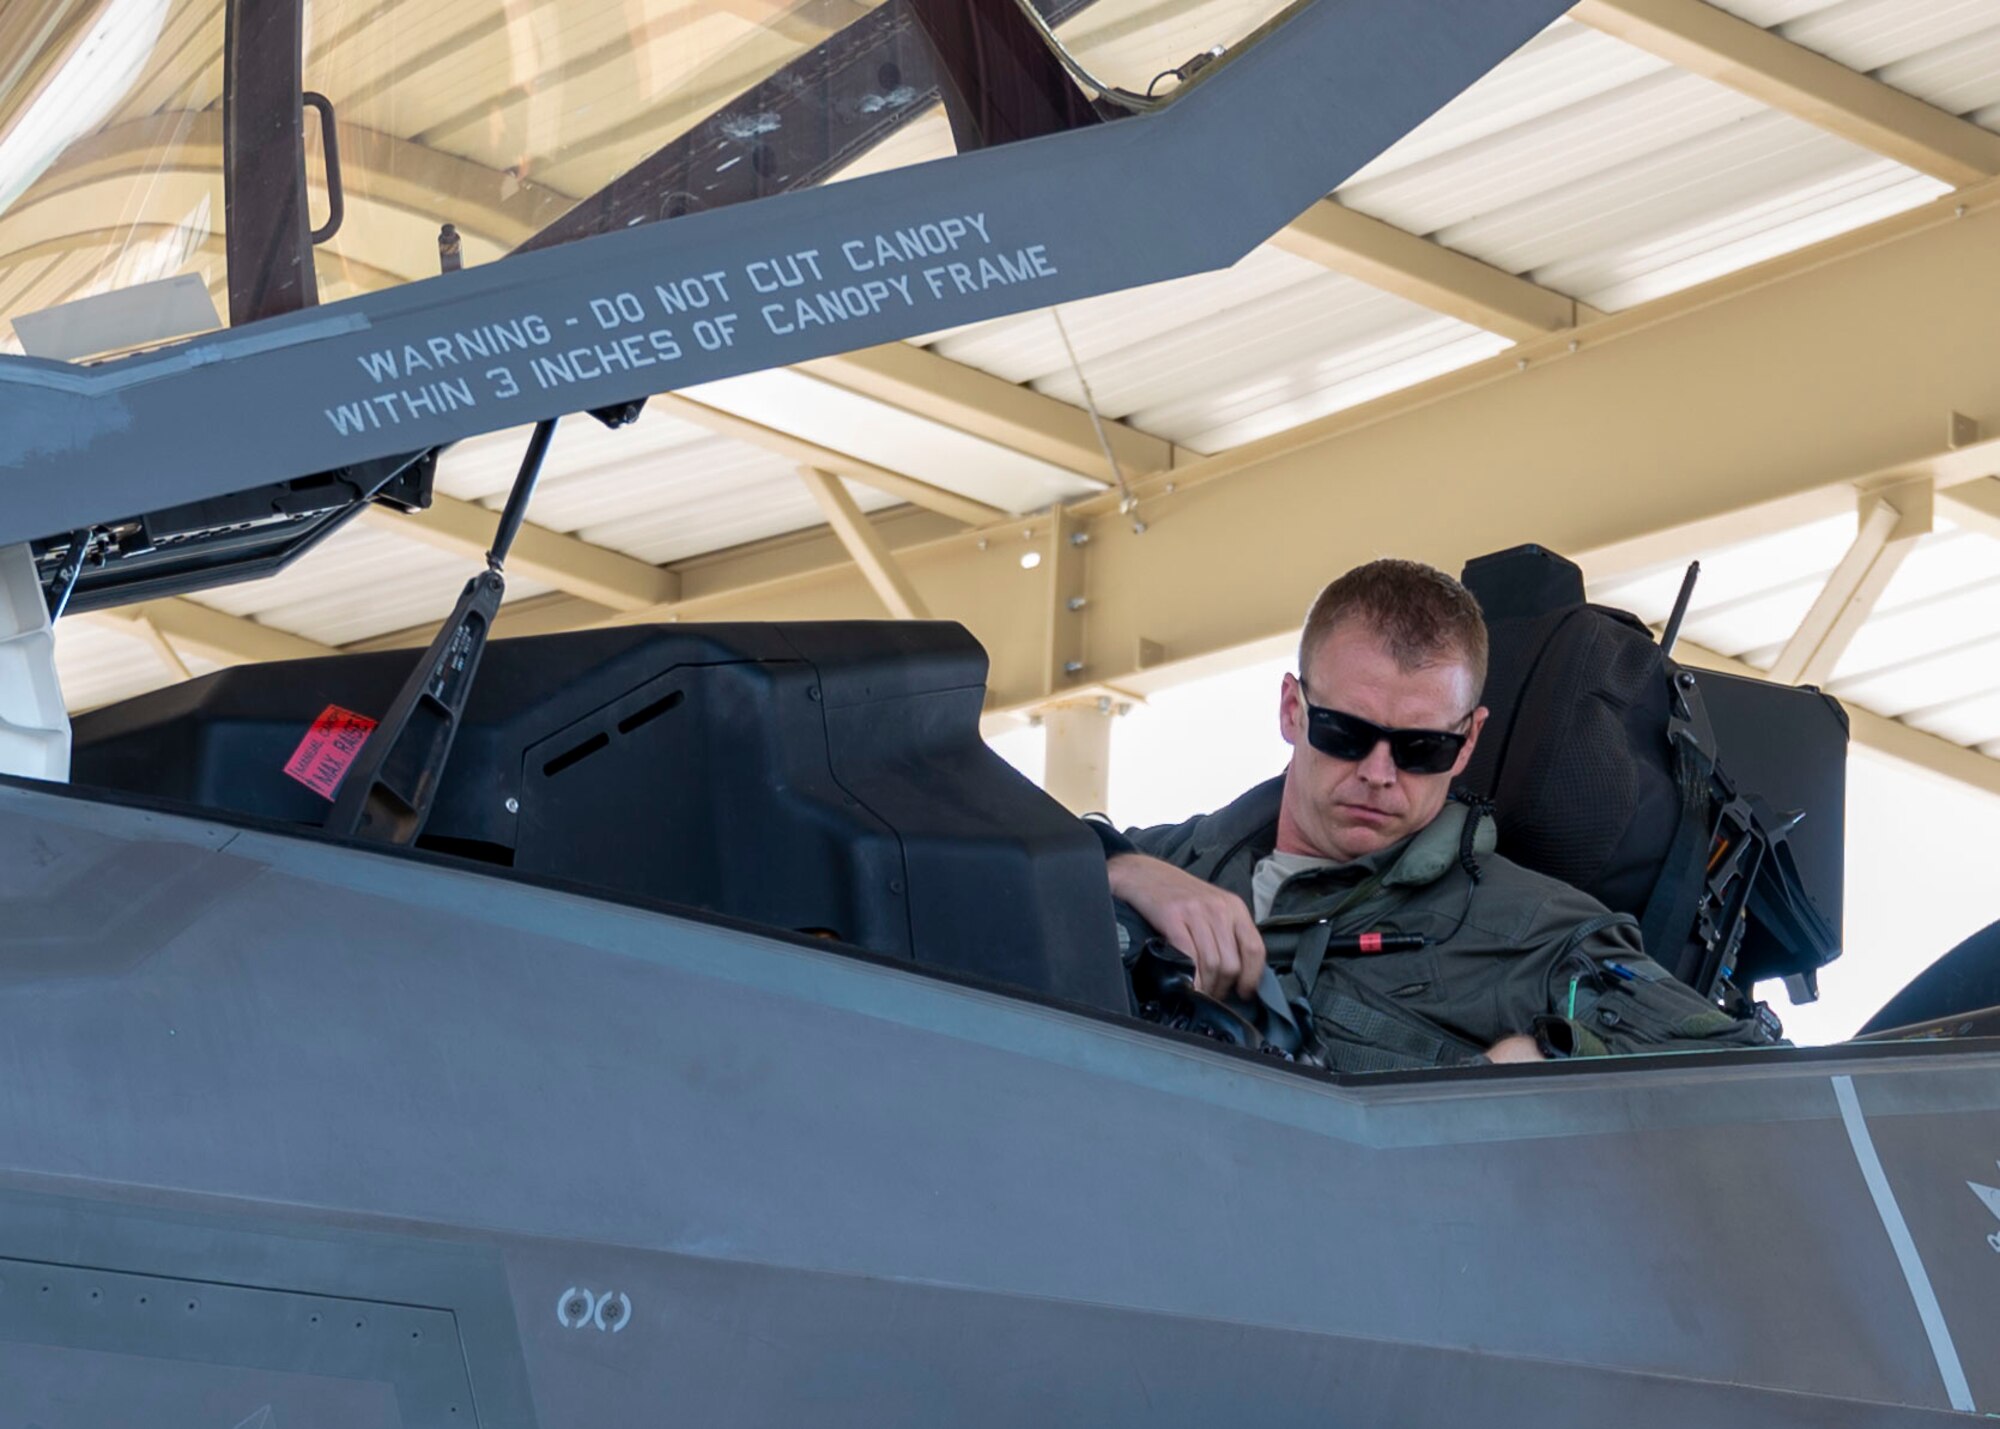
[
  {"x": 345, "y": 1138},
  {"x": 304, "y": 1134}
]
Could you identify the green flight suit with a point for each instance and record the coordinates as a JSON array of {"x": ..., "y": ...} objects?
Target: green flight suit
[{"x": 1510, "y": 952}]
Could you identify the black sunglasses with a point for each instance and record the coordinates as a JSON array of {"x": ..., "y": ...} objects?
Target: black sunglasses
[{"x": 1352, "y": 738}]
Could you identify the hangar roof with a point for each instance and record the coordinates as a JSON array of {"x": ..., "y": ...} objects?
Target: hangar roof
[{"x": 1633, "y": 159}]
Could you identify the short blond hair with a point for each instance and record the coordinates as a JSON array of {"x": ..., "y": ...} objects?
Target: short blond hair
[{"x": 1421, "y": 615}]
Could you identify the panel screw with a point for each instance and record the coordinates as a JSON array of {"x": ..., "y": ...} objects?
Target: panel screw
[
  {"x": 1079, "y": 538},
  {"x": 513, "y": 805},
  {"x": 1076, "y": 602},
  {"x": 1072, "y": 667}
]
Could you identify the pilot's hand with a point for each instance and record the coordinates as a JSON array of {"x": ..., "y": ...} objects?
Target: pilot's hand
[
  {"x": 1518, "y": 1048},
  {"x": 1209, "y": 924}
]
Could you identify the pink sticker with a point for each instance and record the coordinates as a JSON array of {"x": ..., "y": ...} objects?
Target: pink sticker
[{"x": 320, "y": 762}]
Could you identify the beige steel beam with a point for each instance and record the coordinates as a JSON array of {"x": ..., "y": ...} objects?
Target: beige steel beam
[
  {"x": 871, "y": 554},
  {"x": 164, "y": 648},
  {"x": 1429, "y": 274},
  {"x": 593, "y": 573},
  {"x": 1771, "y": 69},
  {"x": 1890, "y": 525},
  {"x": 1974, "y": 506},
  {"x": 808, "y": 453},
  {"x": 226, "y": 639},
  {"x": 901, "y": 375}
]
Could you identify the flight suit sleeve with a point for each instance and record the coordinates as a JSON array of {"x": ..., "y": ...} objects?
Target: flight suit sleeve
[
  {"x": 1607, "y": 998},
  {"x": 1159, "y": 841}
]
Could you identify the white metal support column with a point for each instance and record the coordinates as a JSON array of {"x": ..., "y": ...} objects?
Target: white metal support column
[
  {"x": 34, "y": 726},
  {"x": 1077, "y": 768}
]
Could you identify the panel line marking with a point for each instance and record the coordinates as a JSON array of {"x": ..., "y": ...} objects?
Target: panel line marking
[{"x": 1928, "y": 1309}]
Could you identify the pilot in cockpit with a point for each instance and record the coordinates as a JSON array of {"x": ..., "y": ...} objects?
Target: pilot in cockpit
[{"x": 1377, "y": 894}]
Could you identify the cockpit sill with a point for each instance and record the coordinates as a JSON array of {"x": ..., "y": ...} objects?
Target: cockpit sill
[{"x": 1395, "y": 1086}]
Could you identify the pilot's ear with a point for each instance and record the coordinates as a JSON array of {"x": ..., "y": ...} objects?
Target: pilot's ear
[
  {"x": 1471, "y": 741},
  {"x": 1291, "y": 710}
]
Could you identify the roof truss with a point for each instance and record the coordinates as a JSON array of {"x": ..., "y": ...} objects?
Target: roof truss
[
  {"x": 1769, "y": 68},
  {"x": 1429, "y": 274}
]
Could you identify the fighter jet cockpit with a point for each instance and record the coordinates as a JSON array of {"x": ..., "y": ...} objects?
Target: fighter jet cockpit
[{"x": 518, "y": 521}]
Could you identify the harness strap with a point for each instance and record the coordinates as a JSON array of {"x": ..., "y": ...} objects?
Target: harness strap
[{"x": 1309, "y": 953}]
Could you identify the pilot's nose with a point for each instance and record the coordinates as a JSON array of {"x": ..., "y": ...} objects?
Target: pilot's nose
[{"x": 1376, "y": 767}]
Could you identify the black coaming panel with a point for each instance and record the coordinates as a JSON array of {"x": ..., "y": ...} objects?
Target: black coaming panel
[{"x": 826, "y": 779}]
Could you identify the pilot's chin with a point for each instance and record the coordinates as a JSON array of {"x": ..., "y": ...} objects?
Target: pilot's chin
[{"x": 1359, "y": 840}]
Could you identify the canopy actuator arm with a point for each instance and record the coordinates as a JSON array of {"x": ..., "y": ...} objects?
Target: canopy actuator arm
[{"x": 386, "y": 796}]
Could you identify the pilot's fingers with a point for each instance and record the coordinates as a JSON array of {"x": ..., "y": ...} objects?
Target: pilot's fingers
[
  {"x": 1197, "y": 939},
  {"x": 1250, "y": 947},
  {"x": 1227, "y": 969}
]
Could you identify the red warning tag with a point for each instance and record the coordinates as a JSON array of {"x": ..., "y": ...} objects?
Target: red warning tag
[{"x": 320, "y": 762}]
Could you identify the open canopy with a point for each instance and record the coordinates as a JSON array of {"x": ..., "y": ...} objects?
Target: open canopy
[{"x": 149, "y": 140}]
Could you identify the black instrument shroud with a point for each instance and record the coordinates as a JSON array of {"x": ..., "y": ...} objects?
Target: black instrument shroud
[{"x": 821, "y": 778}]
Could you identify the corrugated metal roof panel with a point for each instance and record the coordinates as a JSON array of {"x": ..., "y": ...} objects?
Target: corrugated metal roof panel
[
  {"x": 1973, "y": 721},
  {"x": 1301, "y": 322},
  {"x": 483, "y": 468},
  {"x": 1028, "y": 348},
  {"x": 1773, "y": 13},
  {"x": 1549, "y": 154},
  {"x": 1868, "y": 35},
  {"x": 1924, "y": 690},
  {"x": 1962, "y": 77},
  {"x": 660, "y": 490},
  {"x": 1735, "y": 573},
  {"x": 707, "y": 497},
  {"x": 1420, "y": 346},
  {"x": 943, "y": 456},
  {"x": 1756, "y": 180},
  {"x": 1563, "y": 67},
  {"x": 99, "y": 663},
  {"x": 360, "y": 581}
]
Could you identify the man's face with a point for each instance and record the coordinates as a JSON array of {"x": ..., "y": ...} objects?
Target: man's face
[{"x": 1342, "y": 809}]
